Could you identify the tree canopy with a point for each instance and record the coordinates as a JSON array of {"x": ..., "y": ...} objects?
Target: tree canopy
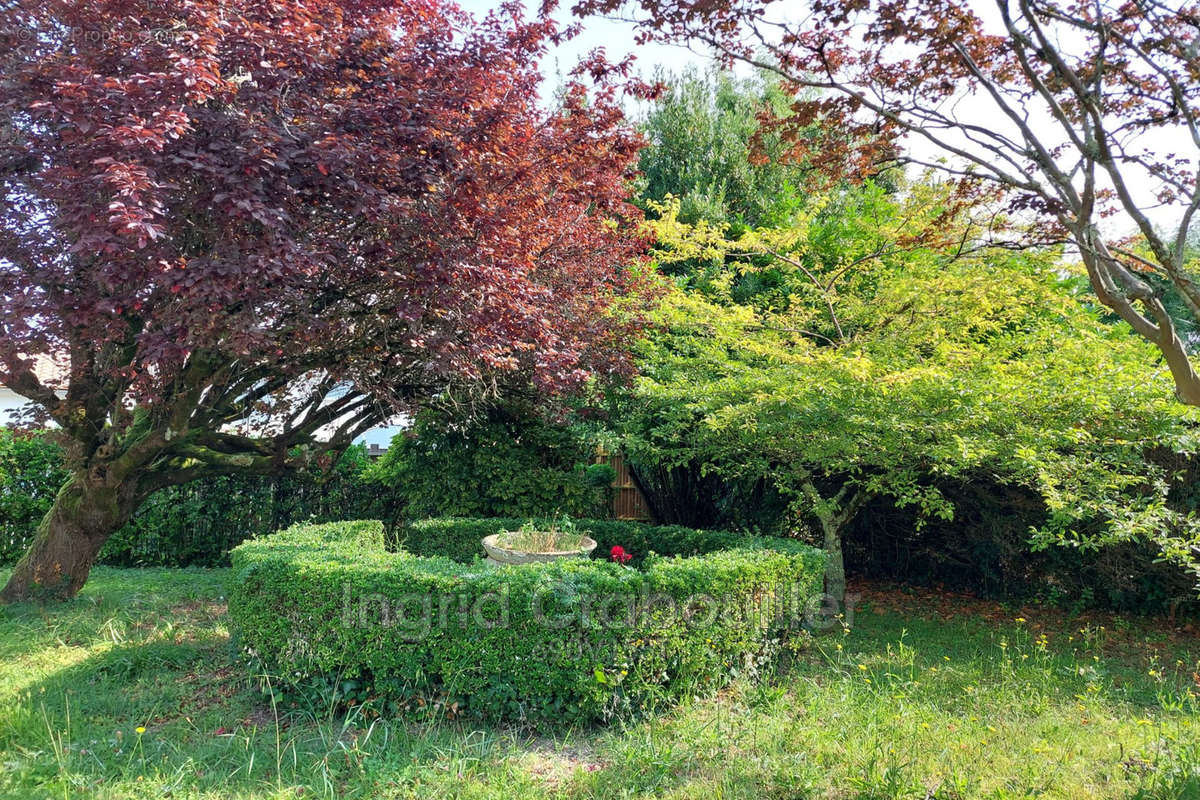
[
  {"x": 1078, "y": 112},
  {"x": 706, "y": 146},
  {"x": 892, "y": 366},
  {"x": 239, "y": 224}
]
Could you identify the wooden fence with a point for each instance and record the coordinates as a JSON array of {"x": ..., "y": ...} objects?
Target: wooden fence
[{"x": 627, "y": 502}]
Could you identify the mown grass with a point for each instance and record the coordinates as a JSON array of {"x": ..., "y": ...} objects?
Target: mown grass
[{"x": 133, "y": 690}]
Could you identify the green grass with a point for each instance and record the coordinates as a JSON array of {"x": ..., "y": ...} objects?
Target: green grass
[{"x": 929, "y": 697}]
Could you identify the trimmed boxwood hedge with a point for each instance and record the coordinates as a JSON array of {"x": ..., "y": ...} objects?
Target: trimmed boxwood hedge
[
  {"x": 327, "y": 609},
  {"x": 458, "y": 538}
]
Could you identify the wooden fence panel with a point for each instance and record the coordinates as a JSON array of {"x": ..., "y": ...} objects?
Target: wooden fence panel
[{"x": 628, "y": 502}]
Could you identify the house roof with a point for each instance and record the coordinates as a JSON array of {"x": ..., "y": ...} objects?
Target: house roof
[{"x": 52, "y": 372}]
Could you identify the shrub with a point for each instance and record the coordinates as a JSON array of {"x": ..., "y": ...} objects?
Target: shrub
[
  {"x": 197, "y": 524},
  {"x": 191, "y": 525},
  {"x": 507, "y": 462},
  {"x": 985, "y": 550},
  {"x": 31, "y": 472},
  {"x": 330, "y": 611}
]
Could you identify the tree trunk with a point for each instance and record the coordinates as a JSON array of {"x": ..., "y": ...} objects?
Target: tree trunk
[
  {"x": 835, "y": 564},
  {"x": 834, "y": 514},
  {"x": 67, "y": 541}
]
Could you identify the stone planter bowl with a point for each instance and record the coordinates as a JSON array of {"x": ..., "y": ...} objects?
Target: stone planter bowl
[{"x": 498, "y": 554}]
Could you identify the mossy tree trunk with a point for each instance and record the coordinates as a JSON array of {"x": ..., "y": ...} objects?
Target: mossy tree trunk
[
  {"x": 119, "y": 460},
  {"x": 68, "y": 539}
]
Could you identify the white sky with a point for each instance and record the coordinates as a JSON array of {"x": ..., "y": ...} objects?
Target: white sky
[{"x": 617, "y": 40}]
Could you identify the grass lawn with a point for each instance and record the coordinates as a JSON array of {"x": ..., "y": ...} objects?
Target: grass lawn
[{"x": 133, "y": 691}]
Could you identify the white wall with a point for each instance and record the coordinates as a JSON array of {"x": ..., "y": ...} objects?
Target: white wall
[{"x": 10, "y": 402}]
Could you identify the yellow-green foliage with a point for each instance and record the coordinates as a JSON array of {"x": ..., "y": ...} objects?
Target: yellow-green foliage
[{"x": 871, "y": 364}]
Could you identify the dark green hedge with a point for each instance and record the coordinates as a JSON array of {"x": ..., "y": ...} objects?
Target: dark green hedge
[
  {"x": 192, "y": 525},
  {"x": 31, "y": 472},
  {"x": 197, "y": 524},
  {"x": 328, "y": 610}
]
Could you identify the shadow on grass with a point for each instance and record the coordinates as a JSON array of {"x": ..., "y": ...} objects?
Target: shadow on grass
[
  {"x": 823, "y": 727},
  {"x": 131, "y": 684}
]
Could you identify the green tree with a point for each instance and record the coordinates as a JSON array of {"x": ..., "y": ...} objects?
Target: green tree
[
  {"x": 707, "y": 147},
  {"x": 888, "y": 362},
  {"x": 1079, "y": 112}
]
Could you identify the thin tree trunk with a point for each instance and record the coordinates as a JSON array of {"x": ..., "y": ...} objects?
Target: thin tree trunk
[
  {"x": 67, "y": 542},
  {"x": 835, "y": 564},
  {"x": 834, "y": 514}
]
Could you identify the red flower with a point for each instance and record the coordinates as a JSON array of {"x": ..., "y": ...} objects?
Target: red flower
[{"x": 619, "y": 555}]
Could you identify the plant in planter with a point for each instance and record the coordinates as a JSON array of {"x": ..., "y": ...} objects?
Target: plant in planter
[{"x": 531, "y": 543}]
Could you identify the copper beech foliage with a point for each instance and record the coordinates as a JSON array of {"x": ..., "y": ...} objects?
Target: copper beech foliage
[
  {"x": 1079, "y": 110},
  {"x": 298, "y": 215}
]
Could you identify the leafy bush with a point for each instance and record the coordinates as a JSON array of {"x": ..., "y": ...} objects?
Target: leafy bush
[
  {"x": 509, "y": 462},
  {"x": 31, "y": 472},
  {"x": 985, "y": 550},
  {"x": 327, "y": 609},
  {"x": 192, "y": 525},
  {"x": 600, "y": 476},
  {"x": 199, "y": 523}
]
